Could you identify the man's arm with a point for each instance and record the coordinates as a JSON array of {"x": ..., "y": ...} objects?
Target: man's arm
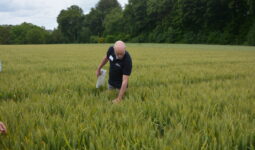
[
  {"x": 122, "y": 89},
  {"x": 103, "y": 62}
]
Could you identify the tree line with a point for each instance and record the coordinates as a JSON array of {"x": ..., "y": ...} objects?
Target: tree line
[{"x": 145, "y": 21}]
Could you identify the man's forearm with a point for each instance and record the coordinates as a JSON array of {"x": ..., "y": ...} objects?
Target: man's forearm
[
  {"x": 122, "y": 89},
  {"x": 104, "y": 61}
]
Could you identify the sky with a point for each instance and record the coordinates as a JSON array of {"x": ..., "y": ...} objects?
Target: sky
[{"x": 40, "y": 12}]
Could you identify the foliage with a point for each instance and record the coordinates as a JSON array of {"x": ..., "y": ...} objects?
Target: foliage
[{"x": 155, "y": 21}]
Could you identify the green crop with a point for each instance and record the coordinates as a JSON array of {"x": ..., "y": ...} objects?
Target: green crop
[{"x": 180, "y": 97}]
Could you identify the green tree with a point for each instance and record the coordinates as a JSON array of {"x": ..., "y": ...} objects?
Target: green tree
[
  {"x": 70, "y": 22},
  {"x": 84, "y": 35},
  {"x": 19, "y": 33},
  {"x": 136, "y": 19},
  {"x": 36, "y": 35},
  {"x": 106, "y": 6},
  {"x": 5, "y": 34},
  {"x": 95, "y": 19},
  {"x": 113, "y": 23},
  {"x": 57, "y": 36},
  {"x": 27, "y": 33}
]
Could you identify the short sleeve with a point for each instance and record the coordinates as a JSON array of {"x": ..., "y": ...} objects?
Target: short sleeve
[
  {"x": 127, "y": 69},
  {"x": 109, "y": 52}
]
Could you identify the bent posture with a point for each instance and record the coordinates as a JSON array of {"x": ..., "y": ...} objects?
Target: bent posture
[{"x": 120, "y": 68}]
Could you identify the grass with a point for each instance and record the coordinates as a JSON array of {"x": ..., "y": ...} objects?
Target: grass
[{"x": 180, "y": 97}]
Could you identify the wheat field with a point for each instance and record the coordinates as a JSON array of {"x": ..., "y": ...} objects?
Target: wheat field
[{"x": 180, "y": 97}]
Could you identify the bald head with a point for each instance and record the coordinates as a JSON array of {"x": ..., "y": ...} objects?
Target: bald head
[{"x": 119, "y": 49}]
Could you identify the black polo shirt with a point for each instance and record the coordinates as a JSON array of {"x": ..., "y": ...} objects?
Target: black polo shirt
[{"x": 118, "y": 68}]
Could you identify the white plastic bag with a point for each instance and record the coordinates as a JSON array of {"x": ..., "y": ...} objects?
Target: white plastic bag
[{"x": 101, "y": 78}]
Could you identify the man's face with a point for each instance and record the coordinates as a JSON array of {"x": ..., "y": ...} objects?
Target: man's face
[{"x": 119, "y": 53}]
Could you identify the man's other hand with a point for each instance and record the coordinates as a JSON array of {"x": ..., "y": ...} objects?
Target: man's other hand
[{"x": 98, "y": 72}]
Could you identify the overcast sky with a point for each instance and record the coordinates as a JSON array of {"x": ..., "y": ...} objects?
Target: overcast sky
[{"x": 40, "y": 12}]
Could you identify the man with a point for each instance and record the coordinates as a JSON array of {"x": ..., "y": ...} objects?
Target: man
[
  {"x": 120, "y": 68},
  {"x": 2, "y": 128}
]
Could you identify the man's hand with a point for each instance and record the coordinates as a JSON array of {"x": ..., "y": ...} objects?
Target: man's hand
[
  {"x": 116, "y": 101},
  {"x": 98, "y": 72},
  {"x": 104, "y": 61},
  {"x": 122, "y": 89},
  {"x": 3, "y": 129}
]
